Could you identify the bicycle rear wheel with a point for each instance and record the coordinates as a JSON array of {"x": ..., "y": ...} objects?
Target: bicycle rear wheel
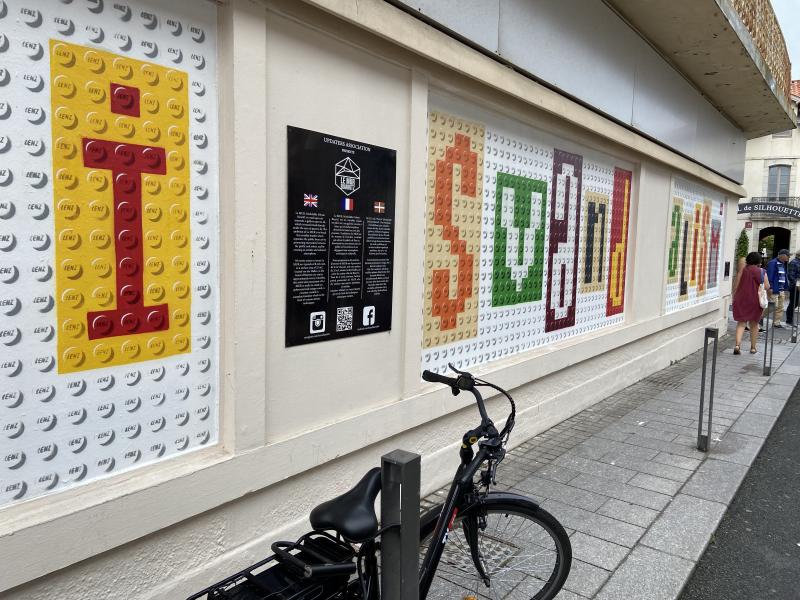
[{"x": 523, "y": 549}]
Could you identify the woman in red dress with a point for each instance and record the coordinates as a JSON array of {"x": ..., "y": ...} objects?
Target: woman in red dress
[{"x": 746, "y": 307}]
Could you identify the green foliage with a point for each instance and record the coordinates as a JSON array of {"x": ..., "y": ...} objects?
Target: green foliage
[{"x": 742, "y": 245}]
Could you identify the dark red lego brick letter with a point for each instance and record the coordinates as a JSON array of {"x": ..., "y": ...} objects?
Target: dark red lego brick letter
[{"x": 127, "y": 163}]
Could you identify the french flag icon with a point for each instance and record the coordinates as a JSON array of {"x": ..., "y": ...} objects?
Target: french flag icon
[{"x": 348, "y": 204}]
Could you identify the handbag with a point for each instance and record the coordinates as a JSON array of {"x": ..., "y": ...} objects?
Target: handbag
[{"x": 762, "y": 292}]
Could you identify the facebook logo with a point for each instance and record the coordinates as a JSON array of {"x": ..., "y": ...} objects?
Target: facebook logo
[{"x": 368, "y": 316}]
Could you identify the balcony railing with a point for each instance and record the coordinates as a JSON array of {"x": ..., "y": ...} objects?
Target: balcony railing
[
  {"x": 792, "y": 201},
  {"x": 760, "y": 21}
]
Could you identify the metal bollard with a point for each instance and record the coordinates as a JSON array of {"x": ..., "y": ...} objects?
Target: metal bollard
[
  {"x": 703, "y": 440},
  {"x": 769, "y": 337},
  {"x": 796, "y": 313},
  {"x": 400, "y": 480}
]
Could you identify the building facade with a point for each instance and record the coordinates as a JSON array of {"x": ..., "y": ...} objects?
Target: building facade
[
  {"x": 770, "y": 177},
  {"x": 233, "y": 234}
]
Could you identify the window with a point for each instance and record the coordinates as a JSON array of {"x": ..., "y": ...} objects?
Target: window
[{"x": 778, "y": 184}]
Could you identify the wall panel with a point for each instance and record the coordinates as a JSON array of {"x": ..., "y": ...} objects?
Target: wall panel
[
  {"x": 108, "y": 222},
  {"x": 696, "y": 242},
  {"x": 526, "y": 238}
]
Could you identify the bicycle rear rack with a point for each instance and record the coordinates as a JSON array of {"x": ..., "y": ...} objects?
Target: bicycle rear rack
[{"x": 287, "y": 571}]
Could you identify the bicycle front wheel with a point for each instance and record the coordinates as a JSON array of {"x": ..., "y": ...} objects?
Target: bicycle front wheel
[{"x": 522, "y": 548}]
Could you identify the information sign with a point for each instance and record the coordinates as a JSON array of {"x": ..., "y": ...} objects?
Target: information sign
[{"x": 341, "y": 237}]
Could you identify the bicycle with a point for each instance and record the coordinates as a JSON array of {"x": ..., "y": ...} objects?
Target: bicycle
[{"x": 476, "y": 544}]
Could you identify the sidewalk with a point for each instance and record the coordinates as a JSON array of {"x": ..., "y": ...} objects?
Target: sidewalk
[{"x": 625, "y": 479}]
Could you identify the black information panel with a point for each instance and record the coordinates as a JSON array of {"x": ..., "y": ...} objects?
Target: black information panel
[{"x": 341, "y": 237}]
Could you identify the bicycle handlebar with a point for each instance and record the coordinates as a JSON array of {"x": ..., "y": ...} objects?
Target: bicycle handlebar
[
  {"x": 464, "y": 381},
  {"x": 436, "y": 378}
]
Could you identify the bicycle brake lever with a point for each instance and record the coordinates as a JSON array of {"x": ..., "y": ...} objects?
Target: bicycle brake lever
[{"x": 452, "y": 368}]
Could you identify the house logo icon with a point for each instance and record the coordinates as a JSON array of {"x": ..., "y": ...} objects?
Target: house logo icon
[{"x": 348, "y": 176}]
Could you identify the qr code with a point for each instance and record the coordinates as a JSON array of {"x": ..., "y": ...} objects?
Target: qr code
[{"x": 344, "y": 318}]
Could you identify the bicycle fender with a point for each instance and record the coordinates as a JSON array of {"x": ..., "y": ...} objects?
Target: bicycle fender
[
  {"x": 508, "y": 497},
  {"x": 428, "y": 519}
]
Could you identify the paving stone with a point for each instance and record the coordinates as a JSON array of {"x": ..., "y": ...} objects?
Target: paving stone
[
  {"x": 671, "y": 394},
  {"x": 776, "y": 390},
  {"x": 719, "y": 420},
  {"x": 561, "y": 492},
  {"x": 567, "y": 595},
  {"x": 674, "y": 460},
  {"x": 651, "y": 468},
  {"x": 731, "y": 414},
  {"x": 688, "y": 441},
  {"x": 622, "y": 491},
  {"x": 597, "y": 552},
  {"x": 557, "y": 473},
  {"x": 593, "y": 467},
  {"x": 606, "y": 528},
  {"x": 629, "y": 450},
  {"x": 754, "y": 424},
  {"x": 685, "y": 527},
  {"x": 716, "y": 480},
  {"x": 585, "y": 579},
  {"x": 747, "y": 387},
  {"x": 737, "y": 448},
  {"x": 656, "y": 484},
  {"x": 767, "y": 406},
  {"x": 647, "y": 574},
  {"x": 674, "y": 447},
  {"x": 661, "y": 416},
  {"x": 614, "y": 434},
  {"x": 630, "y": 513},
  {"x": 666, "y": 430},
  {"x": 596, "y": 446},
  {"x": 673, "y": 406}
]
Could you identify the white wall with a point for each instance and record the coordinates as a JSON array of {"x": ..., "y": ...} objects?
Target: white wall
[
  {"x": 568, "y": 43},
  {"x": 302, "y": 424}
]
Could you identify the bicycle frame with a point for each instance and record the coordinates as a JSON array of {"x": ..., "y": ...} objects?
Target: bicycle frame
[{"x": 461, "y": 489}]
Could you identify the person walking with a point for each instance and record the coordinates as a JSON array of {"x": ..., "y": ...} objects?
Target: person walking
[
  {"x": 776, "y": 273},
  {"x": 792, "y": 275},
  {"x": 746, "y": 307}
]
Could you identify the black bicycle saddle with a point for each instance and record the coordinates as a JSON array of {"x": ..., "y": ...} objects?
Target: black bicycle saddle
[{"x": 353, "y": 513}]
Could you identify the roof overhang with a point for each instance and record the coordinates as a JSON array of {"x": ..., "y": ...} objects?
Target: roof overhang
[{"x": 707, "y": 41}]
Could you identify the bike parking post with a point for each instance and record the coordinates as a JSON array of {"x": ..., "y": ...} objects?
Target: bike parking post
[
  {"x": 769, "y": 337},
  {"x": 703, "y": 440},
  {"x": 400, "y": 480}
]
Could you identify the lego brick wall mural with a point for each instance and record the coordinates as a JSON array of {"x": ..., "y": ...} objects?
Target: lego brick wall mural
[
  {"x": 696, "y": 228},
  {"x": 108, "y": 238},
  {"x": 526, "y": 239}
]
